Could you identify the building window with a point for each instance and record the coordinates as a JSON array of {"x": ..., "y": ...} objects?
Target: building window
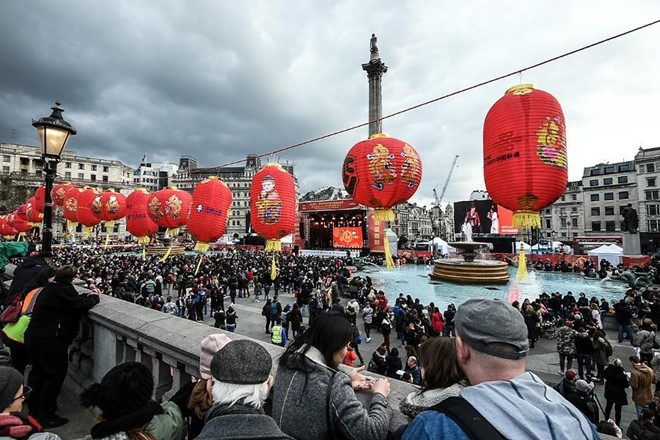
[
  {"x": 574, "y": 222},
  {"x": 652, "y": 209},
  {"x": 593, "y": 182},
  {"x": 610, "y": 226},
  {"x": 650, "y": 181},
  {"x": 650, "y": 168},
  {"x": 622, "y": 179},
  {"x": 93, "y": 177},
  {"x": 93, "y": 167},
  {"x": 5, "y": 169},
  {"x": 574, "y": 197},
  {"x": 105, "y": 178},
  {"x": 595, "y": 198},
  {"x": 563, "y": 198},
  {"x": 563, "y": 222},
  {"x": 595, "y": 226},
  {"x": 81, "y": 166},
  {"x": 653, "y": 225},
  {"x": 609, "y": 196},
  {"x": 607, "y": 181},
  {"x": 623, "y": 195},
  {"x": 106, "y": 169},
  {"x": 595, "y": 211},
  {"x": 67, "y": 174},
  {"x": 609, "y": 210},
  {"x": 652, "y": 195},
  {"x": 25, "y": 161},
  {"x": 573, "y": 208},
  {"x": 548, "y": 223},
  {"x": 81, "y": 176},
  {"x": 67, "y": 164},
  {"x": 6, "y": 158}
]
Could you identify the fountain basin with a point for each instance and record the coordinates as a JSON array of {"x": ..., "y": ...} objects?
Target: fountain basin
[{"x": 475, "y": 272}]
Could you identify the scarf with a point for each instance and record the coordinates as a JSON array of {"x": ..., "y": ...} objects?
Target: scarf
[
  {"x": 15, "y": 425},
  {"x": 225, "y": 409},
  {"x": 127, "y": 422}
]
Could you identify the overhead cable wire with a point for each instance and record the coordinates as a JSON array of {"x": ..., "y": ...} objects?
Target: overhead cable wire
[{"x": 449, "y": 95}]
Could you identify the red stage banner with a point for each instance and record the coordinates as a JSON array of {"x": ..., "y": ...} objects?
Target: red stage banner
[
  {"x": 376, "y": 233},
  {"x": 505, "y": 218},
  {"x": 347, "y": 237},
  {"x": 328, "y": 205},
  {"x": 637, "y": 260}
]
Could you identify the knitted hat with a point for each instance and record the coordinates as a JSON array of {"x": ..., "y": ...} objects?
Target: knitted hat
[
  {"x": 124, "y": 389},
  {"x": 570, "y": 374},
  {"x": 480, "y": 322},
  {"x": 242, "y": 362},
  {"x": 10, "y": 382},
  {"x": 210, "y": 346}
]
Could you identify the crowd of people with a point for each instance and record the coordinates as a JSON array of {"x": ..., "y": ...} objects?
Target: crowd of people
[{"x": 460, "y": 357}]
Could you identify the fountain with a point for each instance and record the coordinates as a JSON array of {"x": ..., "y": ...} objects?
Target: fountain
[{"x": 468, "y": 270}]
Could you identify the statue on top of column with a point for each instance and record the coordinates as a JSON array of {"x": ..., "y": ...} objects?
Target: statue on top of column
[{"x": 374, "y": 48}]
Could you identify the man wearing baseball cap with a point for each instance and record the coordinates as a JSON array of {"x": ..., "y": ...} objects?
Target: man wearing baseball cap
[{"x": 504, "y": 401}]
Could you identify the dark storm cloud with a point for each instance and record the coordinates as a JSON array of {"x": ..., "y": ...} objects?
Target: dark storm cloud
[{"x": 219, "y": 80}]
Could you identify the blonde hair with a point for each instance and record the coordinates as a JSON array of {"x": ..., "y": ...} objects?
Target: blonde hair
[
  {"x": 200, "y": 400},
  {"x": 616, "y": 362}
]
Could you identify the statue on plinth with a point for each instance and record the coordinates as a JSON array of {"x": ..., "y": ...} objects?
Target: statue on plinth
[
  {"x": 630, "y": 219},
  {"x": 374, "y": 48}
]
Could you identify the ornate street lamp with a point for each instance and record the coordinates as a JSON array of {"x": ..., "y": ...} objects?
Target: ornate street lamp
[{"x": 54, "y": 132}]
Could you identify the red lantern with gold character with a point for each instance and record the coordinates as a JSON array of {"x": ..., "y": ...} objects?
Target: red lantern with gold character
[
  {"x": 34, "y": 217},
  {"x": 70, "y": 206},
  {"x": 170, "y": 208},
  {"x": 382, "y": 172},
  {"x": 211, "y": 200},
  {"x": 17, "y": 223},
  {"x": 525, "y": 161},
  {"x": 108, "y": 207},
  {"x": 6, "y": 230},
  {"x": 59, "y": 191},
  {"x": 85, "y": 213},
  {"x": 273, "y": 204},
  {"x": 40, "y": 198},
  {"x": 138, "y": 222}
]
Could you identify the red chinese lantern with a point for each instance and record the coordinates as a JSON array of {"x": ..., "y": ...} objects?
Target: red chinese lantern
[
  {"x": 18, "y": 223},
  {"x": 108, "y": 207},
  {"x": 34, "y": 217},
  {"x": 70, "y": 207},
  {"x": 525, "y": 161},
  {"x": 273, "y": 204},
  {"x": 59, "y": 191},
  {"x": 21, "y": 212},
  {"x": 382, "y": 172},
  {"x": 138, "y": 222},
  {"x": 170, "y": 208},
  {"x": 40, "y": 199},
  {"x": 84, "y": 212},
  {"x": 211, "y": 200},
  {"x": 7, "y": 231}
]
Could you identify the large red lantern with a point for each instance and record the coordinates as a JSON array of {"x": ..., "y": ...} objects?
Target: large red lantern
[
  {"x": 59, "y": 191},
  {"x": 6, "y": 230},
  {"x": 381, "y": 172},
  {"x": 525, "y": 161},
  {"x": 21, "y": 212},
  {"x": 108, "y": 207},
  {"x": 70, "y": 207},
  {"x": 34, "y": 217},
  {"x": 211, "y": 200},
  {"x": 18, "y": 223},
  {"x": 170, "y": 208},
  {"x": 40, "y": 199},
  {"x": 273, "y": 204},
  {"x": 138, "y": 222},
  {"x": 84, "y": 213}
]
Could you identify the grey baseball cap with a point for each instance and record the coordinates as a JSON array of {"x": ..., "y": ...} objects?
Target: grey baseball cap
[{"x": 480, "y": 322}]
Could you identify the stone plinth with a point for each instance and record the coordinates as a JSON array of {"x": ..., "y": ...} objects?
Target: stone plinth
[{"x": 631, "y": 244}]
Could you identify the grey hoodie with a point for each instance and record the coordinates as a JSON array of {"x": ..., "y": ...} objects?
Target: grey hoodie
[{"x": 525, "y": 408}]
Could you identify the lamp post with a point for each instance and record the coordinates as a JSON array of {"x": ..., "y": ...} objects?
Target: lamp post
[{"x": 54, "y": 132}]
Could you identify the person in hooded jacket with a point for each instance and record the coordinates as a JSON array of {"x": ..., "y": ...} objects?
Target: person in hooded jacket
[
  {"x": 128, "y": 411},
  {"x": 642, "y": 377},
  {"x": 616, "y": 383},
  {"x": 25, "y": 273}
]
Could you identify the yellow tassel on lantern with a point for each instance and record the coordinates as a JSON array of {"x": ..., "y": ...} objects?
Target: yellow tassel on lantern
[
  {"x": 110, "y": 224},
  {"x": 144, "y": 240},
  {"x": 201, "y": 247},
  {"x": 526, "y": 219},
  {"x": 386, "y": 215},
  {"x": 107, "y": 240},
  {"x": 522, "y": 265},
  {"x": 167, "y": 254},
  {"x": 273, "y": 269},
  {"x": 199, "y": 263},
  {"x": 144, "y": 252},
  {"x": 21, "y": 236},
  {"x": 388, "y": 254},
  {"x": 174, "y": 232},
  {"x": 87, "y": 231},
  {"x": 273, "y": 245}
]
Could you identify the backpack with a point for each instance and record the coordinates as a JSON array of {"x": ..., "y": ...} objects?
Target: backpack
[
  {"x": 608, "y": 349},
  {"x": 473, "y": 424},
  {"x": 273, "y": 308},
  {"x": 264, "y": 310}
]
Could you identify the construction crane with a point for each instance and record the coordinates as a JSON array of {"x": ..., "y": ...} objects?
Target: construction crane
[{"x": 438, "y": 199}]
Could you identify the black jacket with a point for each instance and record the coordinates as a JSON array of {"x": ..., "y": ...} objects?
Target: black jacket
[
  {"x": 57, "y": 313},
  {"x": 26, "y": 271},
  {"x": 616, "y": 383}
]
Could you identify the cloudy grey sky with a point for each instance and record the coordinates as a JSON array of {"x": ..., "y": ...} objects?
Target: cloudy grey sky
[{"x": 217, "y": 79}]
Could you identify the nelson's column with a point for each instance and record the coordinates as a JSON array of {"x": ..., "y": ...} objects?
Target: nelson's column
[{"x": 375, "y": 69}]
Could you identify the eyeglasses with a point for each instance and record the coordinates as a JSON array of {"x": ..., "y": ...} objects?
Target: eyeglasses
[{"x": 26, "y": 392}]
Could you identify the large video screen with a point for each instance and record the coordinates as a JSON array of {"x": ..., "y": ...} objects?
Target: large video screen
[
  {"x": 484, "y": 216},
  {"x": 347, "y": 237}
]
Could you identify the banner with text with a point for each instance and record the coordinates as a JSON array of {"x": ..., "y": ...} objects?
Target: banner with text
[{"x": 347, "y": 237}]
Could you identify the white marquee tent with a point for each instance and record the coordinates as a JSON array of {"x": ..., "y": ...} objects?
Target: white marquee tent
[{"x": 611, "y": 253}]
